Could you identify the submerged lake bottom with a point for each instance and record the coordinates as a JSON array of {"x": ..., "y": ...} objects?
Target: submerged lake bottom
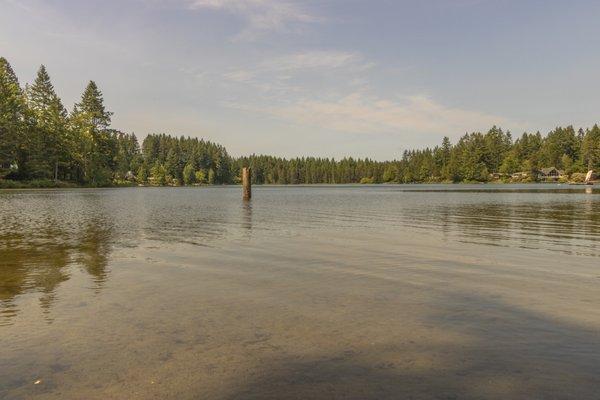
[{"x": 314, "y": 292}]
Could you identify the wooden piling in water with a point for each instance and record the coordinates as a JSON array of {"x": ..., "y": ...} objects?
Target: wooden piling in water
[{"x": 246, "y": 183}]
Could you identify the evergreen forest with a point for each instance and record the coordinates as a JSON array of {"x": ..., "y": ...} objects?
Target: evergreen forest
[{"x": 44, "y": 144}]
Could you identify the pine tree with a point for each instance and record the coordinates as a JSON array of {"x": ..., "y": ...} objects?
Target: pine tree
[
  {"x": 591, "y": 148},
  {"x": 50, "y": 134},
  {"x": 189, "y": 174},
  {"x": 92, "y": 104},
  {"x": 13, "y": 111},
  {"x": 446, "y": 154},
  {"x": 559, "y": 142},
  {"x": 159, "y": 174},
  {"x": 142, "y": 174},
  {"x": 97, "y": 147},
  {"x": 200, "y": 176}
]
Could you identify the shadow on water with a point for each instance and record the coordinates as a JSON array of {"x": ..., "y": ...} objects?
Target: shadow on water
[{"x": 481, "y": 349}]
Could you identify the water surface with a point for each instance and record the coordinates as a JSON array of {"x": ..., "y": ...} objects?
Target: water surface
[{"x": 409, "y": 291}]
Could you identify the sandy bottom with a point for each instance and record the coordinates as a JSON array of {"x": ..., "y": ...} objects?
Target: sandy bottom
[{"x": 333, "y": 317}]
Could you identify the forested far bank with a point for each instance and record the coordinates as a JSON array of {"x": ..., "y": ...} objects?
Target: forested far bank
[{"x": 42, "y": 142}]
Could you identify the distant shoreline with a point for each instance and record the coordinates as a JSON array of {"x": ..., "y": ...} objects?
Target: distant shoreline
[{"x": 17, "y": 185}]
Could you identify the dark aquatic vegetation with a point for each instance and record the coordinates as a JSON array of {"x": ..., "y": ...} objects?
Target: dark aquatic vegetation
[{"x": 363, "y": 292}]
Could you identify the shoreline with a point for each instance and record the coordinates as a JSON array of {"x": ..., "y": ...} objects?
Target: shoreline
[{"x": 32, "y": 185}]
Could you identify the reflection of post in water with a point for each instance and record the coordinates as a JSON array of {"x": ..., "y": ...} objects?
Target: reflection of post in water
[
  {"x": 445, "y": 222},
  {"x": 247, "y": 216},
  {"x": 589, "y": 190}
]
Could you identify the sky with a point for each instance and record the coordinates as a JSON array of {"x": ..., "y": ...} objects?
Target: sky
[{"x": 330, "y": 78}]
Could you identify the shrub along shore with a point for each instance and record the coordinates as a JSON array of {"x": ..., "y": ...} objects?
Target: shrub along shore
[{"x": 44, "y": 145}]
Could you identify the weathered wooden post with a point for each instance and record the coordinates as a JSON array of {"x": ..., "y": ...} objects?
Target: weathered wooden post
[{"x": 247, "y": 183}]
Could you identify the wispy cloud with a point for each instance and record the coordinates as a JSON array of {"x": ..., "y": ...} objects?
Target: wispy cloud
[
  {"x": 239, "y": 75},
  {"x": 363, "y": 113},
  {"x": 315, "y": 59},
  {"x": 19, "y": 4},
  {"x": 261, "y": 15},
  {"x": 53, "y": 23},
  {"x": 331, "y": 90},
  {"x": 285, "y": 68}
]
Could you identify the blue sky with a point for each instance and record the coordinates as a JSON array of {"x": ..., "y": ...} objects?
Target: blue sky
[{"x": 326, "y": 78}]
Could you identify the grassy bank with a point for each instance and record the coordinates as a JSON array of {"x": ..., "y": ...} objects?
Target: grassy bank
[
  {"x": 49, "y": 184},
  {"x": 34, "y": 184}
]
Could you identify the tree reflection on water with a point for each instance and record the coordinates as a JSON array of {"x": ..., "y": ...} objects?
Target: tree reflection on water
[
  {"x": 39, "y": 262},
  {"x": 46, "y": 237}
]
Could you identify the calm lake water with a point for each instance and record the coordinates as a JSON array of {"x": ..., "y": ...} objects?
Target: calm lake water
[{"x": 309, "y": 292}]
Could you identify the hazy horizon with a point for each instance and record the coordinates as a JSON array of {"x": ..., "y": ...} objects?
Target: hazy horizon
[{"x": 328, "y": 79}]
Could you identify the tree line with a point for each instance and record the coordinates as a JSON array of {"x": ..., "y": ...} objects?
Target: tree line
[
  {"x": 41, "y": 140},
  {"x": 477, "y": 156}
]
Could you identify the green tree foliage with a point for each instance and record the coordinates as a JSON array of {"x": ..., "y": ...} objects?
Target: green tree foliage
[
  {"x": 158, "y": 174},
  {"x": 39, "y": 139},
  {"x": 127, "y": 158},
  {"x": 90, "y": 122},
  {"x": 211, "y": 176},
  {"x": 142, "y": 174},
  {"x": 559, "y": 142},
  {"x": 200, "y": 176},
  {"x": 92, "y": 104},
  {"x": 510, "y": 164},
  {"x": 591, "y": 148},
  {"x": 189, "y": 174},
  {"x": 176, "y": 153},
  {"x": 49, "y": 139},
  {"x": 13, "y": 113},
  {"x": 309, "y": 170}
]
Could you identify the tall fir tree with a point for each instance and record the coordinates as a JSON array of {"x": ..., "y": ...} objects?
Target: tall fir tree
[
  {"x": 49, "y": 134},
  {"x": 591, "y": 149},
  {"x": 13, "y": 128},
  {"x": 92, "y": 104},
  {"x": 91, "y": 121}
]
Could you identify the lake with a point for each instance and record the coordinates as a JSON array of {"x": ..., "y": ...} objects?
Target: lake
[{"x": 306, "y": 292}]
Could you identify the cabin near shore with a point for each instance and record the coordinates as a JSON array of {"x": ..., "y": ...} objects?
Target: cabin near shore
[{"x": 550, "y": 174}]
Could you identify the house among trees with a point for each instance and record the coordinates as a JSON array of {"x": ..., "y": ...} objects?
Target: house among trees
[{"x": 550, "y": 174}]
